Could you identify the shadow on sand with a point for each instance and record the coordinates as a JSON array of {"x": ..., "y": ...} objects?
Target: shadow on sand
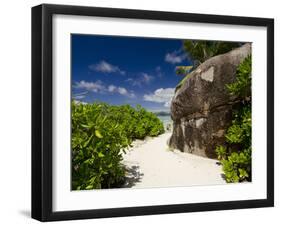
[{"x": 133, "y": 176}]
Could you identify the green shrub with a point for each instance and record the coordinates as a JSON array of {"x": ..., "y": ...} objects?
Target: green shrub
[
  {"x": 221, "y": 152},
  {"x": 236, "y": 155},
  {"x": 242, "y": 85},
  {"x": 100, "y": 133}
]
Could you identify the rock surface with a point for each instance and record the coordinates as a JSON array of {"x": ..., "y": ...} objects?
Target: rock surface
[{"x": 201, "y": 108}]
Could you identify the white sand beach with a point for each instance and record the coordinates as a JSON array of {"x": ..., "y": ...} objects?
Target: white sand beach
[{"x": 150, "y": 163}]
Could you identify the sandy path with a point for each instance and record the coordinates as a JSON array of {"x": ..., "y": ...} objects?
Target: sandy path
[{"x": 151, "y": 164}]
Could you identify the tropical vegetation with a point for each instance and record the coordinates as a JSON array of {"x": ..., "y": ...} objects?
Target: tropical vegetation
[
  {"x": 100, "y": 133},
  {"x": 236, "y": 155}
]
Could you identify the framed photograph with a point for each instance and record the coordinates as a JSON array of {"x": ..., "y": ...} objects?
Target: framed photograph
[{"x": 145, "y": 112}]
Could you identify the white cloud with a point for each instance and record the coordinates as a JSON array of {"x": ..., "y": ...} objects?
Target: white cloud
[
  {"x": 106, "y": 67},
  {"x": 122, "y": 91},
  {"x": 129, "y": 80},
  {"x": 167, "y": 104},
  {"x": 99, "y": 87},
  {"x": 79, "y": 102},
  {"x": 143, "y": 78},
  {"x": 90, "y": 86},
  {"x": 161, "y": 96},
  {"x": 175, "y": 57},
  {"x": 112, "y": 88},
  {"x": 159, "y": 72},
  {"x": 79, "y": 96},
  {"x": 147, "y": 78}
]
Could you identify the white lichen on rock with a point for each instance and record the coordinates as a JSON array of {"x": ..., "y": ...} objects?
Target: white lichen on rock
[
  {"x": 199, "y": 122},
  {"x": 208, "y": 75}
]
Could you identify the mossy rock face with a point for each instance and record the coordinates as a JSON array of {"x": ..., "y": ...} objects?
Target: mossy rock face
[{"x": 201, "y": 108}]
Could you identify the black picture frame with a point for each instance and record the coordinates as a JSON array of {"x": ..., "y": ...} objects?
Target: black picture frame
[{"x": 42, "y": 111}]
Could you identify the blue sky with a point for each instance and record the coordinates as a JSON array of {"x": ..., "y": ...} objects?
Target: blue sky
[{"x": 126, "y": 70}]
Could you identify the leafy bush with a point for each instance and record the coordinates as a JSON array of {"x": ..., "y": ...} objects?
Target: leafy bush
[
  {"x": 236, "y": 155},
  {"x": 100, "y": 133},
  {"x": 242, "y": 86}
]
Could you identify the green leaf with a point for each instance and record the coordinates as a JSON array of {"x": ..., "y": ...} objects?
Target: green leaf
[
  {"x": 89, "y": 187},
  {"x": 88, "y": 141},
  {"x": 98, "y": 134},
  {"x": 85, "y": 126},
  {"x": 101, "y": 155}
]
